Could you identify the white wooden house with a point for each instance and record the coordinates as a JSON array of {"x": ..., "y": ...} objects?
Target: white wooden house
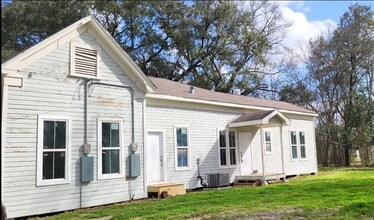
[{"x": 83, "y": 126}]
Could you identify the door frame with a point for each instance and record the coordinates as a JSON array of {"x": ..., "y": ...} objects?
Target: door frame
[
  {"x": 162, "y": 151},
  {"x": 251, "y": 150}
]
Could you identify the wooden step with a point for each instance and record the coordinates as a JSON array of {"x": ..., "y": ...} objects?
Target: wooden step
[
  {"x": 166, "y": 189},
  {"x": 245, "y": 184},
  {"x": 246, "y": 181}
]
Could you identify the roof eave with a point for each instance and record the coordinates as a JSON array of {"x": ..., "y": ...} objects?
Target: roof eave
[{"x": 224, "y": 104}]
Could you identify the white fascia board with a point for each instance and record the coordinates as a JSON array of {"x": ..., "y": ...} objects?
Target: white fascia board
[
  {"x": 23, "y": 59},
  {"x": 298, "y": 113},
  {"x": 182, "y": 99},
  {"x": 245, "y": 123},
  {"x": 279, "y": 114},
  {"x": 11, "y": 80},
  {"x": 128, "y": 62},
  {"x": 53, "y": 42}
]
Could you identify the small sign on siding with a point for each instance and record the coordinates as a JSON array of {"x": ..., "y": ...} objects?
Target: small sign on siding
[{"x": 114, "y": 126}]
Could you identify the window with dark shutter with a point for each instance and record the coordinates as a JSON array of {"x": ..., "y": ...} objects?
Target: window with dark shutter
[{"x": 85, "y": 60}]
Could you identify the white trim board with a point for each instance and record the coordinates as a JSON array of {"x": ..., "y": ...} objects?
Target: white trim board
[{"x": 182, "y": 99}]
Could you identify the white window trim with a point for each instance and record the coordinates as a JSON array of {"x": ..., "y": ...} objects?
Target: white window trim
[
  {"x": 298, "y": 145},
  {"x": 39, "y": 179},
  {"x": 271, "y": 142},
  {"x": 304, "y": 145},
  {"x": 72, "y": 60},
  {"x": 228, "y": 166},
  {"x": 188, "y": 148},
  {"x": 100, "y": 175}
]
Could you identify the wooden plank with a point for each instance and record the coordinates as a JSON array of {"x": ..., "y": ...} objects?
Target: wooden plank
[{"x": 167, "y": 189}]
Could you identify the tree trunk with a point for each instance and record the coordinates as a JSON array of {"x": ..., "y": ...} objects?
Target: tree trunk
[{"x": 347, "y": 161}]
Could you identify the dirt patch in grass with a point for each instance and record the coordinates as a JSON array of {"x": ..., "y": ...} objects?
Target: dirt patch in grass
[{"x": 284, "y": 213}]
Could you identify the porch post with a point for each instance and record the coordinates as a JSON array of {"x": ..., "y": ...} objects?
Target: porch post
[
  {"x": 262, "y": 156},
  {"x": 281, "y": 140}
]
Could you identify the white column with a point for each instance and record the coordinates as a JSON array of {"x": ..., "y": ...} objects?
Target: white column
[
  {"x": 262, "y": 156},
  {"x": 281, "y": 142}
]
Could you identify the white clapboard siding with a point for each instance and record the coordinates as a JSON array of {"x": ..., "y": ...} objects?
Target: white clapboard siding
[
  {"x": 203, "y": 126},
  {"x": 49, "y": 90},
  {"x": 300, "y": 166},
  {"x": 203, "y": 121}
]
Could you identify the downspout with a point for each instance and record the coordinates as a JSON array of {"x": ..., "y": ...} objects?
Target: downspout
[
  {"x": 204, "y": 184},
  {"x": 132, "y": 106},
  {"x": 85, "y": 141},
  {"x": 133, "y": 144},
  {"x": 262, "y": 156},
  {"x": 85, "y": 137}
]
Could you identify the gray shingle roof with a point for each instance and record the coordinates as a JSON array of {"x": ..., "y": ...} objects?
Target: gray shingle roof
[
  {"x": 171, "y": 88},
  {"x": 252, "y": 116}
]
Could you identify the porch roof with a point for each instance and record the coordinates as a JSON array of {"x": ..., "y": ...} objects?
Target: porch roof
[{"x": 257, "y": 119}]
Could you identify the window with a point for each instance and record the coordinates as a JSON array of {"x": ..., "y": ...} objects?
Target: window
[
  {"x": 268, "y": 142},
  {"x": 227, "y": 147},
  {"x": 298, "y": 145},
  {"x": 53, "y": 150},
  {"x": 302, "y": 145},
  {"x": 222, "y": 148},
  {"x": 85, "y": 61},
  {"x": 232, "y": 147},
  {"x": 110, "y": 148},
  {"x": 294, "y": 145},
  {"x": 182, "y": 148}
]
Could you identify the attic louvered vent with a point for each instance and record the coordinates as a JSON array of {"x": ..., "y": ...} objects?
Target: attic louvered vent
[{"x": 85, "y": 61}]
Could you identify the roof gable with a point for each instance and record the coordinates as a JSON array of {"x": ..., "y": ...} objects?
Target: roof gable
[
  {"x": 90, "y": 24},
  {"x": 258, "y": 119}
]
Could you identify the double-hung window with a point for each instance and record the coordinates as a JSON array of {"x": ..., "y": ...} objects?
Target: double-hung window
[
  {"x": 227, "y": 148},
  {"x": 302, "y": 145},
  {"x": 268, "y": 147},
  {"x": 298, "y": 145},
  {"x": 53, "y": 150},
  {"x": 294, "y": 145},
  {"x": 110, "y": 148},
  {"x": 182, "y": 148}
]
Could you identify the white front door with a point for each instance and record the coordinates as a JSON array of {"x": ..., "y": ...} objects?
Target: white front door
[
  {"x": 154, "y": 157},
  {"x": 245, "y": 152}
]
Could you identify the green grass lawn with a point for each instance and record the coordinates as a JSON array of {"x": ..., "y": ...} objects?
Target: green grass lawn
[{"x": 332, "y": 194}]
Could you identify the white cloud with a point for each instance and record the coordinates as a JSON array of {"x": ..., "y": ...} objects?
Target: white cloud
[{"x": 302, "y": 30}]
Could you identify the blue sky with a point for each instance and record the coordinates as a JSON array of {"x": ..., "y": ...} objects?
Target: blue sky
[
  {"x": 322, "y": 10},
  {"x": 310, "y": 19}
]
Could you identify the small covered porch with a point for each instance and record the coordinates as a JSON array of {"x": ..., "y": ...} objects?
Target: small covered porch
[{"x": 261, "y": 157}]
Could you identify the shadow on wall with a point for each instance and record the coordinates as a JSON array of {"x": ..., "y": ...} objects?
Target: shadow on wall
[
  {"x": 3, "y": 212},
  {"x": 208, "y": 165}
]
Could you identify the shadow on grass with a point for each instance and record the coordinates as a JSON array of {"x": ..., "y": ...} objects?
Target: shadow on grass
[{"x": 359, "y": 209}]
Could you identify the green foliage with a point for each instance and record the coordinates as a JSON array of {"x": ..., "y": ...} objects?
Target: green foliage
[
  {"x": 297, "y": 94},
  {"x": 334, "y": 194},
  {"x": 219, "y": 45},
  {"x": 25, "y": 23},
  {"x": 340, "y": 65}
]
